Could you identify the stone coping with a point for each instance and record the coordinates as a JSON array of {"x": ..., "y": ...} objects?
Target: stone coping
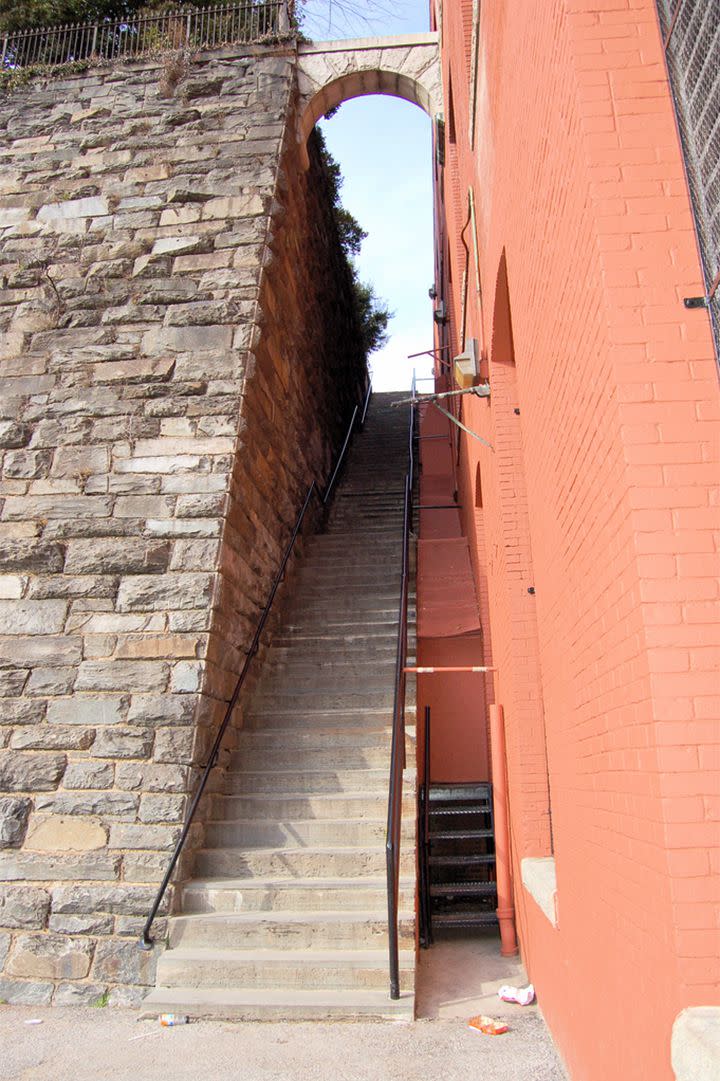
[{"x": 539, "y": 879}]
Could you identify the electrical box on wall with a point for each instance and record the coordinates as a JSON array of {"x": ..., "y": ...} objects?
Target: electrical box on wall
[{"x": 467, "y": 365}]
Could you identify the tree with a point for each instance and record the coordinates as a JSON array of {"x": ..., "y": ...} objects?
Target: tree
[
  {"x": 373, "y": 313},
  {"x": 38, "y": 13}
]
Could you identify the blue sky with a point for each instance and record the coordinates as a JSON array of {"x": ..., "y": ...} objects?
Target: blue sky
[{"x": 383, "y": 146}]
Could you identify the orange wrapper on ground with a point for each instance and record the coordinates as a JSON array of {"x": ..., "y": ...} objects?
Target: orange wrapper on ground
[{"x": 488, "y": 1025}]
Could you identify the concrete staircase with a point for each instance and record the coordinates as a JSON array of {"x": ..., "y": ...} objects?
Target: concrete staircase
[{"x": 286, "y": 915}]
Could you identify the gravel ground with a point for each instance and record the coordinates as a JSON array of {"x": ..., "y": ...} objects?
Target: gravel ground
[{"x": 103, "y": 1045}]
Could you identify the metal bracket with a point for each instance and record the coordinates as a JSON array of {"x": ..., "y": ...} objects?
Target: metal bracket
[{"x": 704, "y": 302}]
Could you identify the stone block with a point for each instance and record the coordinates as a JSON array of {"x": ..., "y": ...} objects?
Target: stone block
[
  {"x": 167, "y": 645},
  {"x": 23, "y": 993},
  {"x": 58, "y": 506},
  {"x": 50, "y": 956},
  {"x": 12, "y": 586},
  {"x": 236, "y": 206},
  {"x": 161, "y": 709},
  {"x": 26, "y": 772},
  {"x": 178, "y": 245},
  {"x": 145, "y": 867},
  {"x": 40, "y": 650},
  {"x": 162, "y": 808},
  {"x": 185, "y": 527},
  {"x": 154, "y": 838},
  {"x": 23, "y": 906},
  {"x": 26, "y": 464},
  {"x": 13, "y": 435},
  {"x": 47, "y": 737},
  {"x": 186, "y": 677},
  {"x": 80, "y": 994},
  {"x": 200, "y": 505},
  {"x": 59, "y": 834},
  {"x": 37, "y": 867},
  {"x": 39, "y": 557},
  {"x": 123, "y": 962},
  {"x": 117, "y": 556},
  {"x": 169, "y": 591},
  {"x": 70, "y": 461},
  {"x": 123, "y": 742},
  {"x": 115, "y": 900},
  {"x": 174, "y": 745},
  {"x": 22, "y": 711},
  {"x": 100, "y": 804},
  {"x": 81, "y": 710},
  {"x": 88, "y": 774},
  {"x": 14, "y": 813},
  {"x": 73, "y": 208},
  {"x": 194, "y": 555},
  {"x": 143, "y": 506},
  {"x": 126, "y": 997},
  {"x": 32, "y": 617},
  {"x": 81, "y": 925},
  {"x": 191, "y": 339},
  {"x": 5, "y": 940},
  {"x": 122, "y": 675},
  {"x": 51, "y": 681},
  {"x": 13, "y": 682},
  {"x": 152, "y": 777},
  {"x": 129, "y": 372}
]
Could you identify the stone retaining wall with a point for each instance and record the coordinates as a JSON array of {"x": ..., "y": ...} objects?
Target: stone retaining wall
[{"x": 176, "y": 364}]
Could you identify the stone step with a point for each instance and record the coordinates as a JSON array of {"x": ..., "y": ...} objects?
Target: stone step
[
  {"x": 302, "y": 833},
  {"x": 329, "y": 655},
  {"x": 320, "y": 719},
  {"x": 298, "y": 863},
  {"x": 377, "y": 679},
  {"x": 287, "y": 930},
  {"x": 287, "y": 806},
  {"x": 291, "y": 969},
  {"x": 256, "y": 1004},
  {"x": 307, "y": 700},
  {"x": 341, "y": 576},
  {"x": 339, "y": 635},
  {"x": 307, "y": 780},
  {"x": 272, "y": 895},
  {"x": 342, "y": 606},
  {"x": 281, "y": 759},
  {"x": 350, "y": 738}
]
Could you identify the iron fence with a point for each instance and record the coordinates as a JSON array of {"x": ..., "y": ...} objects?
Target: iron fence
[
  {"x": 196, "y": 28},
  {"x": 691, "y": 32}
]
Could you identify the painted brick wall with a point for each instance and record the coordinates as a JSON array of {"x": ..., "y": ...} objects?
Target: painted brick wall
[{"x": 580, "y": 192}]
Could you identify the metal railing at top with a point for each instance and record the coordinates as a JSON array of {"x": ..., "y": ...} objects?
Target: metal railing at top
[
  {"x": 208, "y": 27},
  {"x": 146, "y": 940},
  {"x": 397, "y": 752},
  {"x": 691, "y": 35}
]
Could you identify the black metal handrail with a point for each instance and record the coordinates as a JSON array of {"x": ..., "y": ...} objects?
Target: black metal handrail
[
  {"x": 146, "y": 942},
  {"x": 366, "y": 403},
  {"x": 397, "y": 752}
]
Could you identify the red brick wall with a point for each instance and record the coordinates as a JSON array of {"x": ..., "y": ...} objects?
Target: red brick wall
[{"x": 599, "y": 495}]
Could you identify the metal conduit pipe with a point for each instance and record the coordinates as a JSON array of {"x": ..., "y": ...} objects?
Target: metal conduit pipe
[{"x": 506, "y": 907}]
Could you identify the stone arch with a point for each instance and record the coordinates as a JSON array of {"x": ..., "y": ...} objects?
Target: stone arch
[{"x": 332, "y": 72}]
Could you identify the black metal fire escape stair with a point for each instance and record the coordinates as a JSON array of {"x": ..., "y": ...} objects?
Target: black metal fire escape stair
[{"x": 458, "y": 879}]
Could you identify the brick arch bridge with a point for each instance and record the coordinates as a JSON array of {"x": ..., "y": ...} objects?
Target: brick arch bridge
[{"x": 331, "y": 72}]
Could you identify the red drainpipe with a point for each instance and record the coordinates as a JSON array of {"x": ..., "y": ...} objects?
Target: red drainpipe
[{"x": 506, "y": 907}]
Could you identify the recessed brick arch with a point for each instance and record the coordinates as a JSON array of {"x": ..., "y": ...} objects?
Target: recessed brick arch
[{"x": 332, "y": 72}]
